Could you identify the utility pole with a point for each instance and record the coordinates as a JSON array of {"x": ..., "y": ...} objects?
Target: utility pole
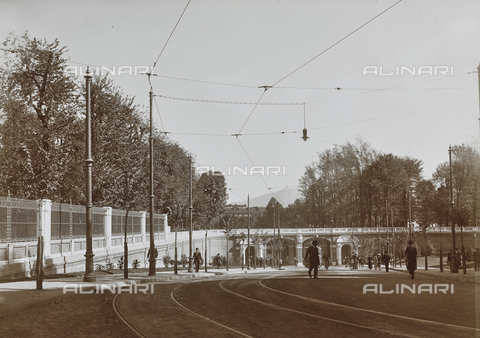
[
  {"x": 190, "y": 258},
  {"x": 453, "y": 265},
  {"x": 152, "y": 259},
  {"x": 409, "y": 216},
  {"x": 89, "y": 276},
  {"x": 478, "y": 72},
  {"x": 248, "y": 233},
  {"x": 274, "y": 241},
  {"x": 279, "y": 243}
]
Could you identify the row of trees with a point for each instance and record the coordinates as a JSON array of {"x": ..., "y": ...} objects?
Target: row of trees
[
  {"x": 42, "y": 141},
  {"x": 353, "y": 185}
]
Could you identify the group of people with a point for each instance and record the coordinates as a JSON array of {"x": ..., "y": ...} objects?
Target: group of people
[
  {"x": 377, "y": 260},
  {"x": 352, "y": 262},
  {"x": 313, "y": 260}
]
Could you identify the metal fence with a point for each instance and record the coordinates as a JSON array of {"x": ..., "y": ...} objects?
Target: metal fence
[{"x": 19, "y": 220}]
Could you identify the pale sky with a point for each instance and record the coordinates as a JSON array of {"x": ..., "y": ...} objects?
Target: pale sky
[{"x": 224, "y": 50}]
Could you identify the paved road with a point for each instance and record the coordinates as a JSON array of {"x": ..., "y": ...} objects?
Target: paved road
[
  {"x": 293, "y": 305},
  {"x": 271, "y": 304}
]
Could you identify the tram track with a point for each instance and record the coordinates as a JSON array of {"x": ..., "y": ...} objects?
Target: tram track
[
  {"x": 420, "y": 321},
  {"x": 257, "y": 295},
  {"x": 137, "y": 332}
]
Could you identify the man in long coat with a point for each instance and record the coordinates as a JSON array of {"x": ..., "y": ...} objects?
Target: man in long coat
[
  {"x": 197, "y": 259},
  {"x": 313, "y": 259},
  {"x": 411, "y": 259}
]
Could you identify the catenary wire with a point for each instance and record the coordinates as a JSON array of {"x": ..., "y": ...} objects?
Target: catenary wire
[
  {"x": 253, "y": 164},
  {"x": 174, "y": 28},
  {"x": 256, "y": 105},
  {"x": 233, "y": 102},
  {"x": 324, "y": 127},
  {"x": 158, "y": 112},
  {"x": 336, "y": 43}
]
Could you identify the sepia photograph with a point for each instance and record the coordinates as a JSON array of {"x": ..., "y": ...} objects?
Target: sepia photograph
[{"x": 188, "y": 168}]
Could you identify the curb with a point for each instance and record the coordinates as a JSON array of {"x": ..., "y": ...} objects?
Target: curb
[{"x": 459, "y": 277}]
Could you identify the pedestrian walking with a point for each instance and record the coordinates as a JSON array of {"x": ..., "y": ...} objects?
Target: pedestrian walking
[
  {"x": 218, "y": 260},
  {"x": 411, "y": 259},
  {"x": 155, "y": 251},
  {"x": 459, "y": 258},
  {"x": 476, "y": 259},
  {"x": 370, "y": 261},
  {"x": 449, "y": 258},
  {"x": 311, "y": 256},
  {"x": 375, "y": 261},
  {"x": 386, "y": 260},
  {"x": 327, "y": 262},
  {"x": 197, "y": 259}
]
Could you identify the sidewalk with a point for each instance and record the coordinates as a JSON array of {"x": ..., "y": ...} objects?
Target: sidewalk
[
  {"x": 470, "y": 277},
  {"x": 17, "y": 296},
  {"x": 133, "y": 278}
]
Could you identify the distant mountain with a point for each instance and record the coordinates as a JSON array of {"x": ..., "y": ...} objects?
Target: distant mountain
[{"x": 285, "y": 196}]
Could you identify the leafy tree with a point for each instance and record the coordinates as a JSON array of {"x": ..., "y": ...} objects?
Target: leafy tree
[
  {"x": 425, "y": 193},
  {"x": 37, "y": 95},
  {"x": 210, "y": 198},
  {"x": 466, "y": 183}
]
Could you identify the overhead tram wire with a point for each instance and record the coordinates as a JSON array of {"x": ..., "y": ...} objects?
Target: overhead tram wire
[
  {"x": 158, "y": 112},
  {"x": 336, "y": 43},
  {"x": 395, "y": 88},
  {"x": 253, "y": 164},
  {"x": 256, "y": 105},
  {"x": 233, "y": 102},
  {"x": 166, "y": 43},
  {"x": 325, "y": 127},
  {"x": 149, "y": 74},
  {"x": 392, "y": 116}
]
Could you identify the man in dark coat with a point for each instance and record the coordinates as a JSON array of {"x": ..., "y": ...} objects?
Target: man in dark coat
[
  {"x": 476, "y": 259},
  {"x": 411, "y": 259},
  {"x": 197, "y": 259},
  {"x": 313, "y": 259},
  {"x": 386, "y": 260}
]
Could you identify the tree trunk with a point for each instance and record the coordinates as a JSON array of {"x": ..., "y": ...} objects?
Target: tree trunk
[{"x": 39, "y": 266}]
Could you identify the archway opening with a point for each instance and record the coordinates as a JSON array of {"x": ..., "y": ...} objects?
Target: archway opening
[
  {"x": 252, "y": 255},
  {"x": 346, "y": 252}
]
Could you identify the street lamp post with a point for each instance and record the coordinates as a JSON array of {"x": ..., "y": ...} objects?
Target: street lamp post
[
  {"x": 89, "y": 276},
  {"x": 441, "y": 250}
]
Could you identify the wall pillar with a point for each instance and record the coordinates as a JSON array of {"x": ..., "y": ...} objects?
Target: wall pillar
[
  {"x": 166, "y": 228},
  {"x": 108, "y": 227},
  {"x": 299, "y": 249},
  {"x": 143, "y": 228},
  {"x": 243, "y": 247},
  {"x": 338, "y": 251},
  {"x": 45, "y": 229}
]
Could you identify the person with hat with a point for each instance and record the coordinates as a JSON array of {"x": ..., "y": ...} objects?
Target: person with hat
[{"x": 313, "y": 259}]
